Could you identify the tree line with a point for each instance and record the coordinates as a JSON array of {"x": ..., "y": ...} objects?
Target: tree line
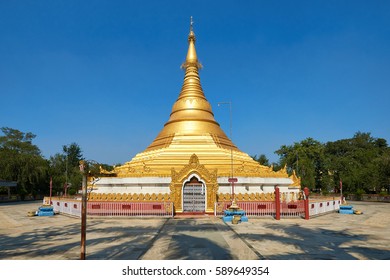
[
  {"x": 361, "y": 163},
  {"x": 22, "y": 161}
]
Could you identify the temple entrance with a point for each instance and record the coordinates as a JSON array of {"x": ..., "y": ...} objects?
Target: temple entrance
[{"x": 194, "y": 196}]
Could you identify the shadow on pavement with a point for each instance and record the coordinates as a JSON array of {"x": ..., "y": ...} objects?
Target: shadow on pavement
[{"x": 316, "y": 243}]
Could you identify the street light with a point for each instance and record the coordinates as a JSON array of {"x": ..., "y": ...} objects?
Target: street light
[
  {"x": 84, "y": 169},
  {"x": 84, "y": 172},
  {"x": 232, "y": 180}
]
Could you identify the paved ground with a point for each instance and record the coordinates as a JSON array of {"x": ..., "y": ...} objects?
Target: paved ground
[{"x": 332, "y": 236}]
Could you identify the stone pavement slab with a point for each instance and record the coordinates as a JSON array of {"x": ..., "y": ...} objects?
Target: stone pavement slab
[
  {"x": 331, "y": 236},
  {"x": 201, "y": 238},
  {"x": 58, "y": 237}
]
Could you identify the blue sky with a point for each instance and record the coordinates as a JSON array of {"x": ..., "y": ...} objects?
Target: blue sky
[{"x": 105, "y": 74}]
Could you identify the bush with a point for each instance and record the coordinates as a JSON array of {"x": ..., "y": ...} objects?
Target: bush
[{"x": 359, "y": 193}]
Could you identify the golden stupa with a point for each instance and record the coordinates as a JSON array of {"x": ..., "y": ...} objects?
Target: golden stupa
[
  {"x": 190, "y": 144},
  {"x": 192, "y": 129}
]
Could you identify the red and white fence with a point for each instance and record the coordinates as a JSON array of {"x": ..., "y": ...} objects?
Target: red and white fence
[
  {"x": 292, "y": 209},
  {"x": 70, "y": 207},
  {"x": 135, "y": 209},
  {"x": 280, "y": 208},
  {"x": 264, "y": 208},
  {"x": 252, "y": 208},
  {"x": 114, "y": 208},
  {"x": 165, "y": 209},
  {"x": 318, "y": 208}
]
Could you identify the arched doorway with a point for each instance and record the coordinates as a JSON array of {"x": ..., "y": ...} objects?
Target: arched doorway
[{"x": 194, "y": 196}]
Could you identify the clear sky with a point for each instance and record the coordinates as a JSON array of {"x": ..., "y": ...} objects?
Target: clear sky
[{"x": 105, "y": 74}]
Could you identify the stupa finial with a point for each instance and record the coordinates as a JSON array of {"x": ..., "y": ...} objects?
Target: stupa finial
[
  {"x": 191, "y": 24},
  {"x": 192, "y": 58}
]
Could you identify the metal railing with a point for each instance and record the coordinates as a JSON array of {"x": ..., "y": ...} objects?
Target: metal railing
[
  {"x": 252, "y": 208},
  {"x": 135, "y": 209},
  {"x": 165, "y": 209},
  {"x": 287, "y": 209},
  {"x": 292, "y": 209},
  {"x": 114, "y": 208}
]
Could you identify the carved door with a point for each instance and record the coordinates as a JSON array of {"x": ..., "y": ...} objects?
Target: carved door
[{"x": 194, "y": 198}]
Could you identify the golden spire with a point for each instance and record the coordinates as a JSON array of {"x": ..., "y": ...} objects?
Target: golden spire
[
  {"x": 192, "y": 58},
  {"x": 191, "y": 114}
]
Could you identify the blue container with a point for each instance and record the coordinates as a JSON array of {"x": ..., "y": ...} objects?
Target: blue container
[
  {"x": 227, "y": 219},
  {"x": 230, "y": 214},
  {"x": 346, "y": 211},
  {"x": 233, "y": 213},
  {"x": 244, "y": 219},
  {"x": 45, "y": 211}
]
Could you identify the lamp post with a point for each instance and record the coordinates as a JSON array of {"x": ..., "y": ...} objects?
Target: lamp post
[
  {"x": 84, "y": 172},
  {"x": 232, "y": 180}
]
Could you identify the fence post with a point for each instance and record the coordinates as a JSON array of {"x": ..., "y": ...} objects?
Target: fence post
[
  {"x": 277, "y": 203},
  {"x": 307, "y": 215}
]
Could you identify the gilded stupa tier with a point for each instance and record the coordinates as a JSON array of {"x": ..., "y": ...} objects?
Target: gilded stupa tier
[{"x": 192, "y": 129}]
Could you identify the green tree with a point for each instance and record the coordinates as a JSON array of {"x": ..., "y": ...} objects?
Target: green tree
[
  {"x": 21, "y": 161},
  {"x": 360, "y": 162},
  {"x": 384, "y": 170},
  {"x": 65, "y": 171},
  {"x": 73, "y": 155},
  {"x": 308, "y": 161},
  {"x": 262, "y": 159},
  {"x": 57, "y": 172}
]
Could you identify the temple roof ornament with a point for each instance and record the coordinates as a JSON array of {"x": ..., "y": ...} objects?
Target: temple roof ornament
[
  {"x": 192, "y": 58},
  {"x": 191, "y": 24},
  {"x": 296, "y": 180}
]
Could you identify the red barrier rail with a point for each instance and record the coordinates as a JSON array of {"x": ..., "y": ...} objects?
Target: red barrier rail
[
  {"x": 264, "y": 208},
  {"x": 252, "y": 208},
  {"x": 106, "y": 208},
  {"x": 114, "y": 208}
]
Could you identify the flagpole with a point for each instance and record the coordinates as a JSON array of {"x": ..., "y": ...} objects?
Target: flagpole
[{"x": 51, "y": 188}]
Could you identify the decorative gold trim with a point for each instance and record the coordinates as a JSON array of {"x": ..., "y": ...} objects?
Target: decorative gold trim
[
  {"x": 253, "y": 169},
  {"x": 296, "y": 180},
  {"x": 129, "y": 197},
  {"x": 179, "y": 178}
]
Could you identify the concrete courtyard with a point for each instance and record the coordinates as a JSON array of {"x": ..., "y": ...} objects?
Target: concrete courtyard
[{"x": 329, "y": 237}]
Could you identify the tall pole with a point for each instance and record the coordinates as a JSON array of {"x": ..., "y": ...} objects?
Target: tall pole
[
  {"x": 277, "y": 203},
  {"x": 66, "y": 171},
  {"x": 231, "y": 148},
  {"x": 51, "y": 189},
  {"x": 306, "y": 205},
  {"x": 83, "y": 170}
]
